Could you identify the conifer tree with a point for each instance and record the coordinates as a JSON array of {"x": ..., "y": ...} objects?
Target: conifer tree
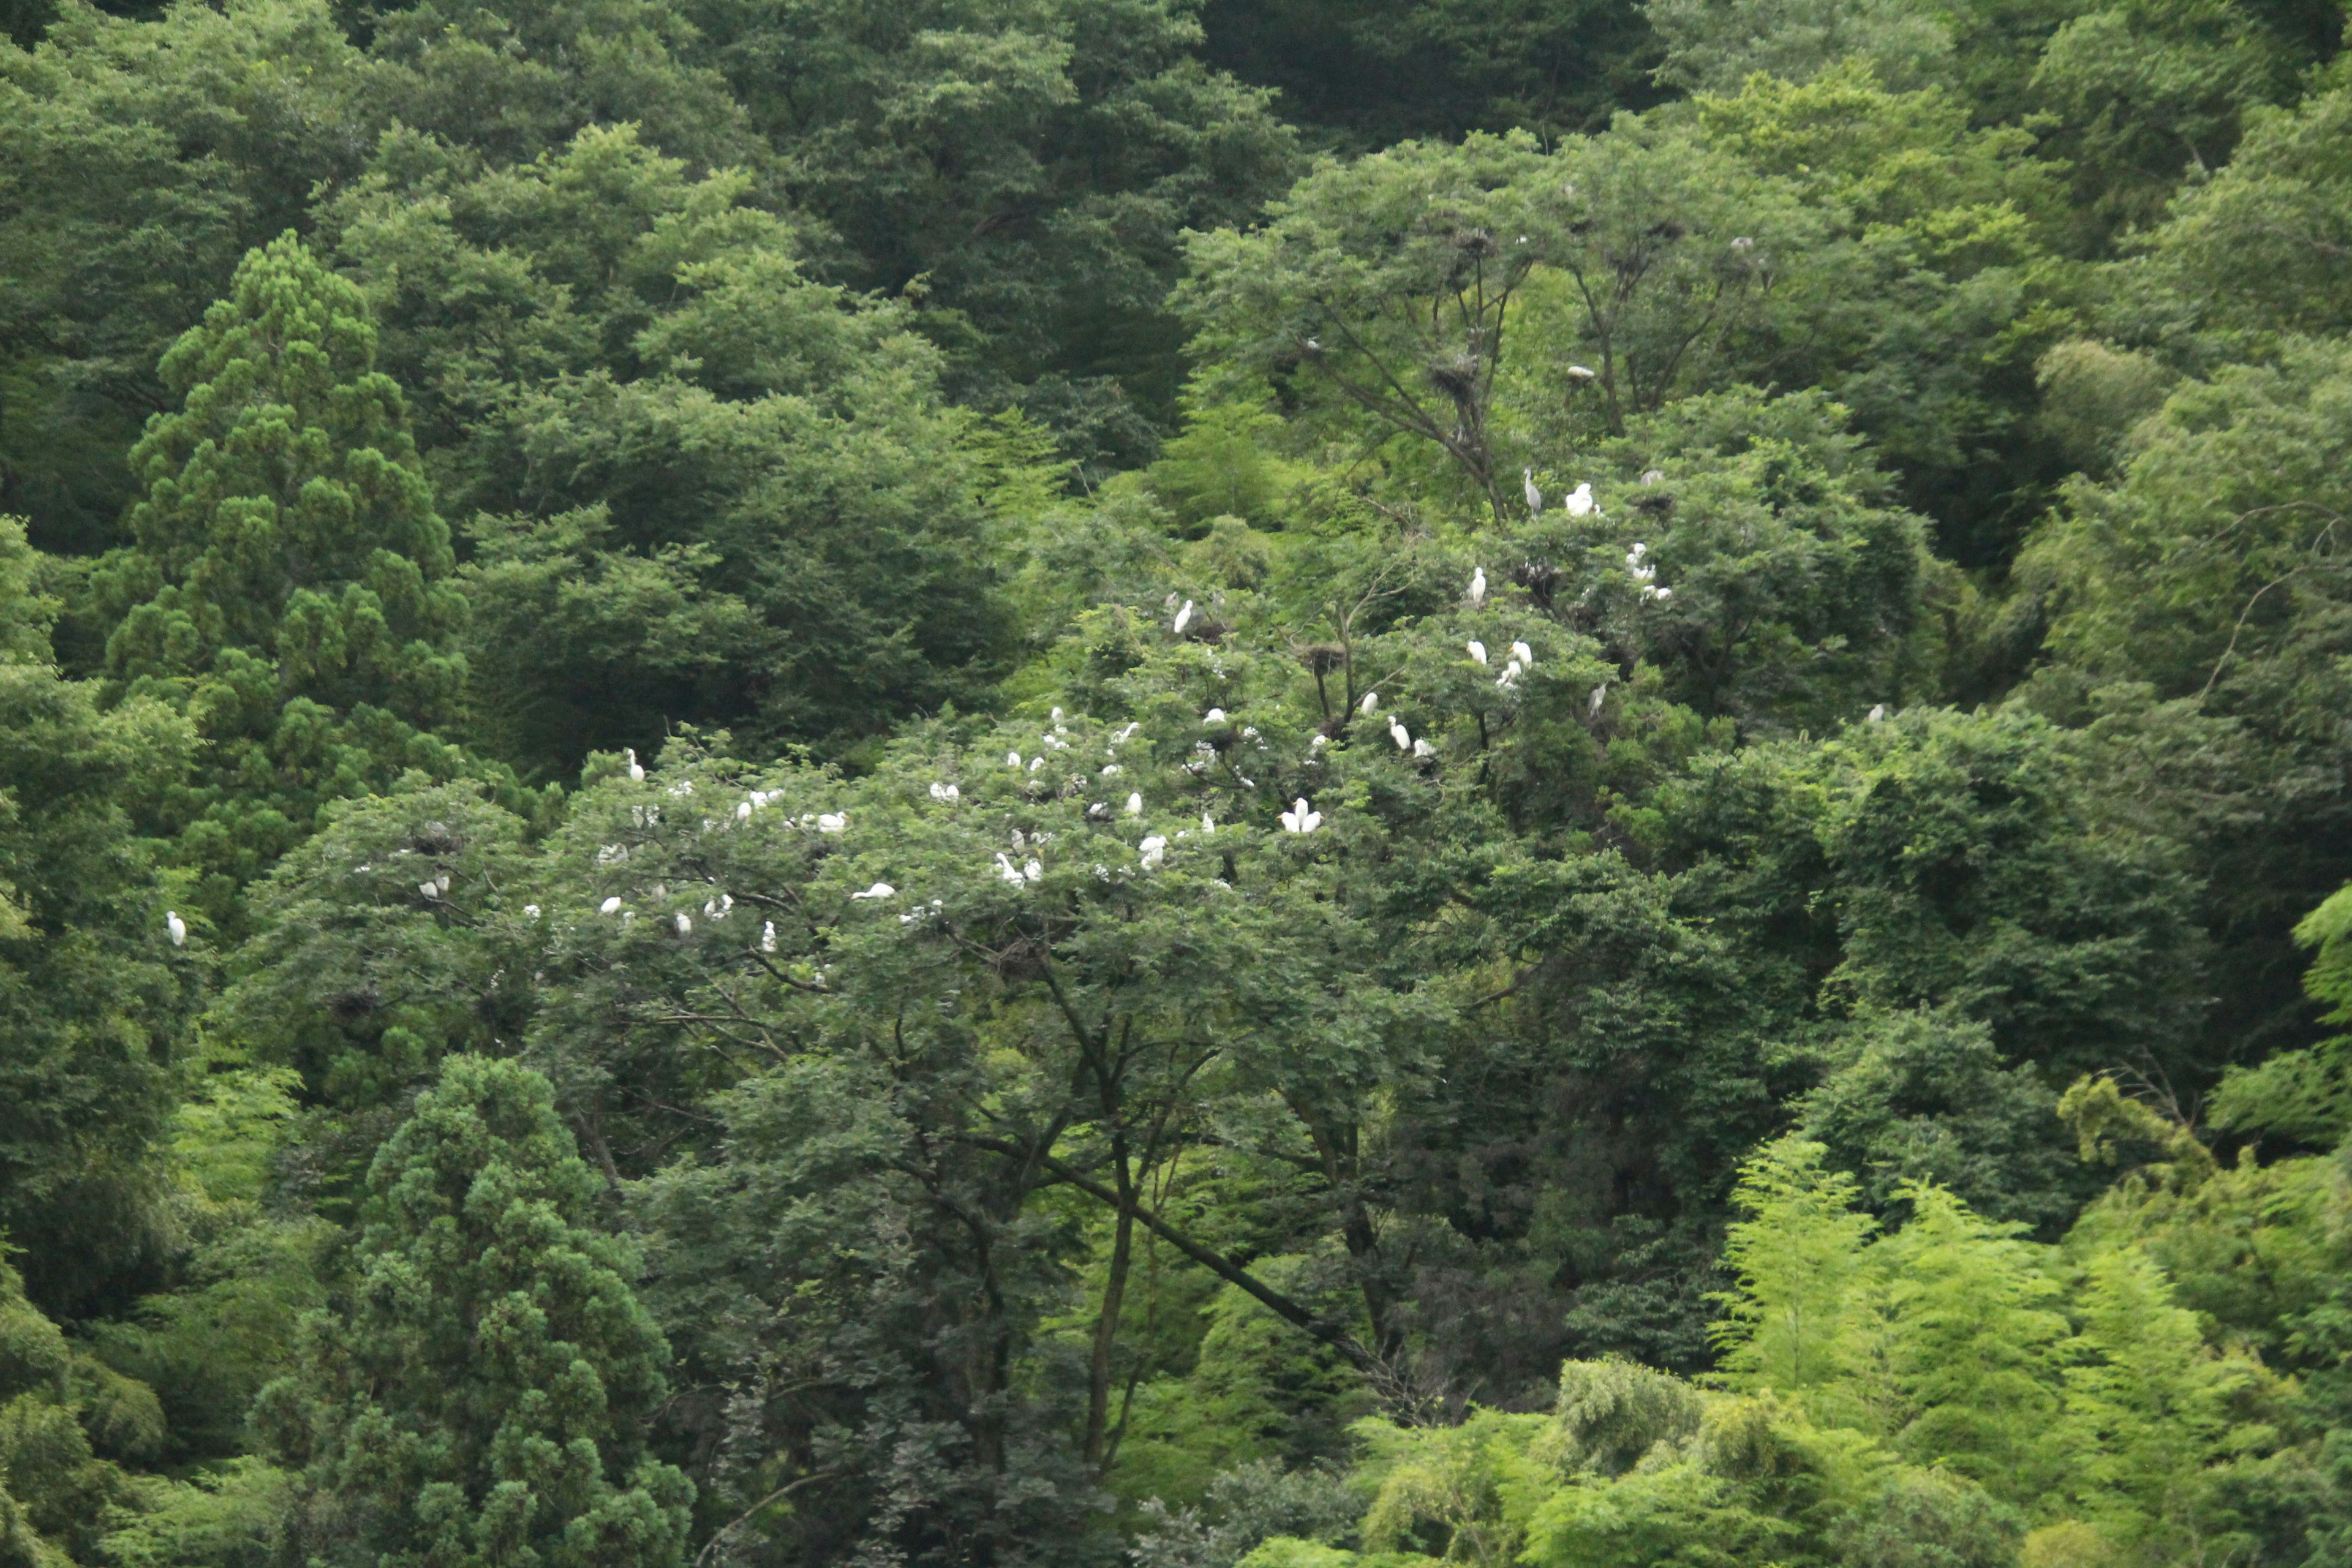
[
  {"x": 482, "y": 1396},
  {"x": 290, "y": 583}
]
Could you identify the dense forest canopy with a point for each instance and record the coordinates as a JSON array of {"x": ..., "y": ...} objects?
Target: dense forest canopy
[{"x": 1202, "y": 784}]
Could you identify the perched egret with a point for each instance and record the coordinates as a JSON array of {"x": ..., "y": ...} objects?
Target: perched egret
[
  {"x": 1371, "y": 701},
  {"x": 1154, "y": 849},
  {"x": 720, "y": 908},
  {"x": 1135, "y": 805},
  {"x": 1208, "y": 824},
  {"x": 1183, "y": 618},
  {"x": 1534, "y": 495},
  {"x": 1878, "y": 713},
  {"x": 1579, "y": 501},
  {"x": 946, "y": 792},
  {"x": 611, "y": 906},
  {"x": 1319, "y": 742},
  {"x": 1300, "y": 819},
  {"x": 530, "y": 910},
  {"x": 1056, "y": 715},
  {"x": 1008, "y": 870},
  {"x": 1478, "y": 592},
  {"x": 1743, "y": 242},
  {"x": 767, "y": 936},
  {"x": 1524, "y": 654},
  {"x": 1581, "y": 372},
  {"x": 1399, "y": 734},
  {"x": 175, "y": 928},
  {"x": 1634, "y": 556},
  {"x": 1422, "y": 748},
  {"x": 831, "y": 821},
  {"x": 1511, "y": 672},
  {"x": 1112, "y": 770},
  {"x": 1213, "y": 716},
  {"x": 1477, "y": 650},
  {"x": 684, "y": 924},
  {"x": 1654, "y": 476},
  {"x": 636, "y": 774},
  {"x": 1012, "y": 759},
  {"x": 1036, "y": 763},
  {"x": 1033, "y": 870},
  {"x": 878, "y": 891},
  {"x": 1600, "y": 695},
  {"x": 429, "y": 890},
  {"x": 1662, "y": 595}
]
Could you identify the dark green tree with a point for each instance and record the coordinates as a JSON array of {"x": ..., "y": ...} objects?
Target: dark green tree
[
  {"x": 481, "y": 1395},
  {"x": 289, "y": 589}
]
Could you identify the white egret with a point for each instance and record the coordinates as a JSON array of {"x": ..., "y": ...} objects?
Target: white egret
[
  {"x": 530, "y": 910},
  {"x": 743, "y": 811},
  {"x": 611, "y": 906},
  {"x": 1012, "y": 759},
  {"x": 636, "y": 774},
  {"x": 878, "y": 891},
  {"x": 1300, "y": 819},
  {"x": 1743, "y": 242},
  {"x": 1662, "y": 595},
  {"x": 684, "y": 924},
  {"x": 1008, "y": 870},
  {"x": 1422, "y": 748},
  {"x": 1371, "y": 701},
  {"x": 1530, "y": 488},
  {"x": 1600, "y": 695},
  {"x": 1478, "y": 592},
  {"x": 175, "y": 928},
  {"x": 1319, "y": 742},
  {"x": 947, "y": 792},
  {"x": 767, "y": 936},
  {"x": 1524, "y": 654},
  {"x": 1654, "y": 476},
  {"x": 1213, "y": 716},
  {"x": 1581, "y": 372},
  {"x": 1154, "y": 849},
  {"x": 831, "y": 821},
  {"x": 1112, "y": 770},
  {"x": 1878, "y": 714},
  {"x": 1056, "y": 715},
  {"x": 428, "y": 889},
  {"x": 1579, "y": 501},
  {"x": 1135, "y": 805},
  {"x": 1033, "y": 870},
  {"x": 1399, "y": 734},
  {"x": 1477, "y": 650},
  {"x": 1183, "y": 618}
]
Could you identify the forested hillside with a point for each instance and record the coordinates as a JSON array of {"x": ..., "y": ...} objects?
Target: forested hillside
[{"x": 1070, "y": 783}]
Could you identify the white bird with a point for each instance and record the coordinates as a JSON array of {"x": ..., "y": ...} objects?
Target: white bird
[
  {"x": 1135, "y": 805},
  {"x": 1319, "y": 742},
  {"x": 1056, "y": 715},
  {"x": 1524, "y": 654},
  {"x": 831, "y": 821},
  {"x": 767, "y": 936},
  {"x": 1600, "y": 695},
  {"x": 429, "y": 890},
  {"x": 1033, "y": 870},
  {"x": 636, "y": 774},
  {"x": 1208, "y": 824},
  {"x": 1477, "y": 650},
  {"x": 1478, "y": 592},
  {"x": 1300, "y": 819},
  {"x": 1654, "y": 476},
  {"x": 1422, "y": 748},
  {"x": 1582, "y": 372},
  {"x": 1511, "y": 672},
  {"x": 946, "y": 792},
  {"x": 1534, "y": 495},
  {"x": 684, "y": 924},
  {"x": 1579, "y": 501},
  {"x": 175, "y": 928},
  {"x": 1154, "y": 849},
  {"x": 1213, "y": 716},
  {"x": 1634, "y": 556},
  {"x": 1008, "y": 870},
  {"x": 532, "y": 910},
  {"x": 1036, "y": 763},
  {"x": 1012, "y": 759},
  {"x": 1661, "y": 594},
  {"x": 1112, "y": 770},
  {"x": 743, "y": 811},
  {"x": 1878, "y": 714},
  {"x": 878, "y": 891},
  {"x": 611, "y": 906},
  {"x": 1183, "y": 618},
  {"x": 719, "y": 909},
  {"x": 1371, "y": 701},
  {"x": 1743, "y": 242},
  {"x": 1401, "y": 735}
]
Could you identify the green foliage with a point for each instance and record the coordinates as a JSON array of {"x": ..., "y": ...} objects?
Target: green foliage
[{"x": 484, "y": 1388}]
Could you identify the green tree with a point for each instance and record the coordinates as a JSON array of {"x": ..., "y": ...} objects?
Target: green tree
[
  {"x": 289, "y": 586},
  {"x": 482, "y": 1392}
]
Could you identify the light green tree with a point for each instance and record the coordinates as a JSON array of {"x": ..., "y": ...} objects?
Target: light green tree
[{"x": 482, "y": 1394}]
